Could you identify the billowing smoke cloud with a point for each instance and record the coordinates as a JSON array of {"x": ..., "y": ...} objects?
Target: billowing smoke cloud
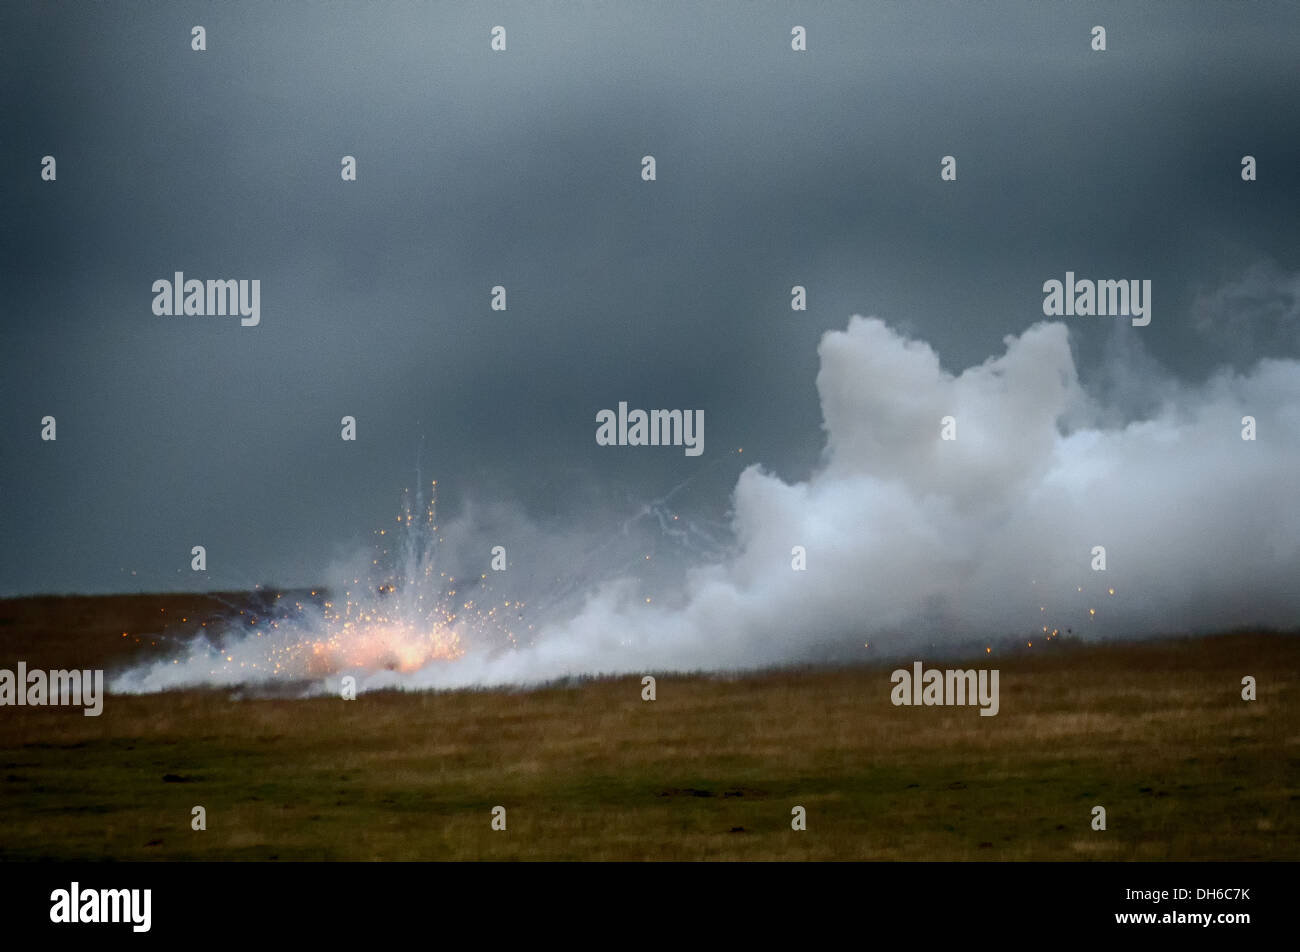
[
  {"x": 1257, "y": 313},
  {"x": 913, "y": 540}
]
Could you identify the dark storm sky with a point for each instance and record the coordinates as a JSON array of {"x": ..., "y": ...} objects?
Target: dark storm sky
[{"x": 522, "y": 168}]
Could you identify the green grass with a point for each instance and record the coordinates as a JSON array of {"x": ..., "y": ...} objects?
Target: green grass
[{"x": 1156, "y": 733}]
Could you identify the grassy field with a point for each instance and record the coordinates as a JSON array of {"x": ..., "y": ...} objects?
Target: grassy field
[{"x": 1157, "y": 733}]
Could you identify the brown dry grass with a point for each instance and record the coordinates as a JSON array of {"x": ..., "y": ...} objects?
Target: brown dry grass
[{"x": 1157, "y": 733}]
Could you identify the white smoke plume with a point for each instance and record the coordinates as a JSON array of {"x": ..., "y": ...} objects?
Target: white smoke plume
[{"x": 916, "y": 541}]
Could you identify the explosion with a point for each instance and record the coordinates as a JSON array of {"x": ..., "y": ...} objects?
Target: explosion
[{"x": 403, "y": 617}]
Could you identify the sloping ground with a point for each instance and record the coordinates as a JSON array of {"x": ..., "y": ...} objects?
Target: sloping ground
[{"x": 1157, "y": 733}]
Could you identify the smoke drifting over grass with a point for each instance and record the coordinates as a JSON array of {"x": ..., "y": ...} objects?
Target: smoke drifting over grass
[{"x": 911, "y": 540}]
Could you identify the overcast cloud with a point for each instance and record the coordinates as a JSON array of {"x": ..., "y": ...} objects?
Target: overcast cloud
[{"x": 774, "y": 169}]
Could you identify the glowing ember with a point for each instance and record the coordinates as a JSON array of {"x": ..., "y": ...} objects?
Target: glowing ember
[{"x": 404, "y": 617}]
